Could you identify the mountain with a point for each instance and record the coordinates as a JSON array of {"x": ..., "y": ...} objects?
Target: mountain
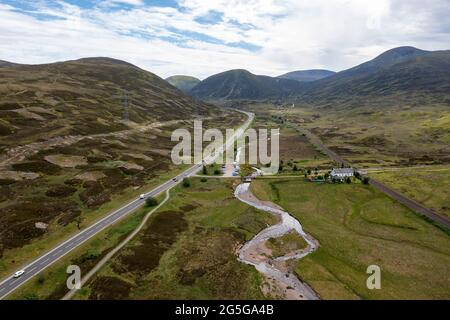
[
  {"x": 404, "y": 73},
  {"x": 6, "y": 64},
  {"x": 307, "y": 75},
  {"x": 184, "y": 83},
  {"x": 85, "y": 96},
  {"x": 242, "y": 85}
]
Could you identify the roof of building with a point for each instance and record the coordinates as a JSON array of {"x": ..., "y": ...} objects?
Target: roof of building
[{"x": 342, "y": 170}]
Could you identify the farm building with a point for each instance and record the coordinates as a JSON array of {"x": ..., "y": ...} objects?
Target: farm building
[{"x": 341, "y": 173}]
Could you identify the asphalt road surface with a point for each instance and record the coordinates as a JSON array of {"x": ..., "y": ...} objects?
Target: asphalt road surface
[{"x": 31, "y": 270}]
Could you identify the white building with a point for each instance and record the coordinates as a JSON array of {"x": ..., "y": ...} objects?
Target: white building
[{"x": 341, "y": 173}]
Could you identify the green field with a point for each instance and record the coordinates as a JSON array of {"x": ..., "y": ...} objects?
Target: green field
[
  {"x": 187, "y": 250},
  {"x": 428, "y": 185},
  {"x": 358, "y": 226}
]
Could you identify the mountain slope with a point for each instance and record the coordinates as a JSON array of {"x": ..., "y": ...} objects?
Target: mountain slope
[
  {"x": 6, "y": 64},
  {"x": 307, "y": 75},
  {"x": 405, "y": 73},
  {"x": 241, "y": 84},
  {"x": 184, "y": 83},
  {"x": 83, "y": 97}
]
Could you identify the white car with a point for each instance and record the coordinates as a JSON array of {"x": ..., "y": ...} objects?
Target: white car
[
  {"x": 142, "y": 196},
  {"x": 18, "y": 273}
]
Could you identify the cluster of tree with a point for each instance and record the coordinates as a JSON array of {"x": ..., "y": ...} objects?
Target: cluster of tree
[
  {"x": 364, "y": 179},
  {"x": 206, "y": 172},
  {"x": 151, "y": 202},
  {"x": 187, "y": 182}
]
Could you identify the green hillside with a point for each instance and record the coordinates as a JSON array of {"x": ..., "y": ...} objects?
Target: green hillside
[
  {"x": 307, "y": 75},
  {"x": 184, "y": 83},
  {"x": 240, "y": 85}
]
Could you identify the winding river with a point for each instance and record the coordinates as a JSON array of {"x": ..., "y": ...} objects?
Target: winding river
[{"x": 277, "y": 271}]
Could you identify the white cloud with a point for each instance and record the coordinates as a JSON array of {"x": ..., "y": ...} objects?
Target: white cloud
[
  {"x": 131, "y": 2},
  {"x": 289, "y": 34}
]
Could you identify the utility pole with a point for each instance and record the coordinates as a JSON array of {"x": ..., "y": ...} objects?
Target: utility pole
[{"x": 125, "y": 106}]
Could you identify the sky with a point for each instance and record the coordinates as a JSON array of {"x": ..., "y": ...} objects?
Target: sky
[{"x": 204, "y": 37}]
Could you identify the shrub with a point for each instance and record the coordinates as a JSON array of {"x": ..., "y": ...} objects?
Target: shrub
[
  {"x": 295, "y": 168},
  {"x": 205, "y": 170},
  {"x": 60, "y": 191},
  {"x": 41, "y": 279},
  {"x": 365, "y": 180},
  {"x": 348, "y": 180},
  {"x": 186, "y": 182},
  {"x": 217, "y": 171},
  {"x": 151, "y": 202},
  {"x": 203, "y": 179}
]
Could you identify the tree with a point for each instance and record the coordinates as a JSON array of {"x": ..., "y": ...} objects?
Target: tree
[
  {"x": 348, "y": 180},
  {"x": 216, "y": 171},
  {"x": 366, "y": 180},
  {"x": 205, "y": 170},
  {"x": 41, "y": 279},
  {"x": 357, "y": 175},
  {"x": 326, "y": 175},
  {"x": 186, "y": 182},
  {"x": 309, "y": 171},
  {"x": 295, "y": 168},
  {"x": 151, "y": 202}
]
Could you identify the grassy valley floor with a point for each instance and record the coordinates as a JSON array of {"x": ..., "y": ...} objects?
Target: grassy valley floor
[
  {"x": 187, "y": 250},
  {"x": 427, "y": 185},
  {"x": 358, "y": 226}
]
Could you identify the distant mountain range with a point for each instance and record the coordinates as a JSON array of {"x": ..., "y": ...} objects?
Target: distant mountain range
[
  {"x": 405, "y": 72},
  {"x": 7, "y": 64},
  {"x": 400, "y": 73},
  {"x": 241, "y": 84},
  {"x": 184, "y": 83},
  {"x": 307, "y": 75}
]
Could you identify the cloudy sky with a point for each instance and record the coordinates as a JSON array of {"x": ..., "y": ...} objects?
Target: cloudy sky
[{"x": 203, "y": 37}]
